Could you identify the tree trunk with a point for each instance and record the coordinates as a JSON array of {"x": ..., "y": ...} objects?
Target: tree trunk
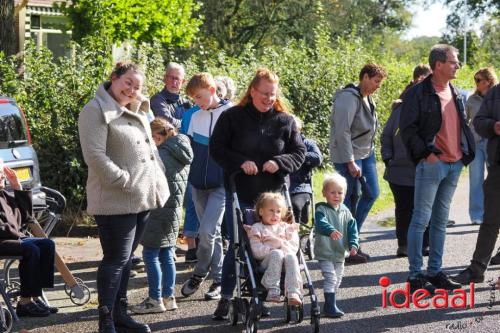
[{"x": 7, "y": 33}]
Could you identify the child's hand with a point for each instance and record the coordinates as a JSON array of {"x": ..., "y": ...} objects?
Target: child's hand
[
  {"x": 336, "y": 235},
  {"x": 353, "y": 251}
]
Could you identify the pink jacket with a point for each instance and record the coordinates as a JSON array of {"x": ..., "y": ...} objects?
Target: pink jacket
[{"x": 265, "y": 238}]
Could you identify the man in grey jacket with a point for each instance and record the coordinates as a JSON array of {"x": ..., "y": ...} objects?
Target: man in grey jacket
[
  {"x": 352, "y": 135},
  {"x": 487, "y": 124}
]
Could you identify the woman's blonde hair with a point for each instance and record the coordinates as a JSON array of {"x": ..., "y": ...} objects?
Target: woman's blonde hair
[
  {"x": 267, "y": 197},
  {"x": 488, "y": 74},
  {"x": 163, "y": 127},
  {"x": 264, "y": 74}
]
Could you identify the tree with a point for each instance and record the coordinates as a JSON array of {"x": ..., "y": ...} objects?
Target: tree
[
  {"x": 7, "y": 34},
  {"x": 170, "y": 23},
  {"x": 475, "y": 7}
]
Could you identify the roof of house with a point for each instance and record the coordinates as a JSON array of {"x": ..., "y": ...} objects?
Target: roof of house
[{"x": 38, "y": 2}]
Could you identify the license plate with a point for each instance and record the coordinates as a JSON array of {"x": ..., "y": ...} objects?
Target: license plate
[{"x": 23, "y": 174}]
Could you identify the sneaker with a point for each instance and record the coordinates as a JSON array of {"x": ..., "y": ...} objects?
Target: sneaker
[
  {"x": 496, "y": 258},
  {"x": 31, "y": 310},
  {"x": 294, "y": 299},
  {"x": 467, "y": 276},
  {"x": 213, "y": 292},
  {"x": 450, "y": 223},
  {"x": 476, "y": 222},
  {"x": 191, "y": 285},
  {"x": 356, "y": 259},
  {"x": 136, "y": 260},
  {"x": 191, "y": 256},
  {"x": 149, "y": 305},
  {"x": 420, "y": 282},
  {"x": 273, "y": 295},
  {"x": 222, "y": 309},
  {"x": 402, "y": 251},
  {"x": 443, "y": 281},
  {"x": 42, "y": 304},
  {"x": 170, "y": 303}
]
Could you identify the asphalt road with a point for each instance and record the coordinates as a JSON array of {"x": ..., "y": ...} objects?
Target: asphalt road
[{"x": 360, "y": 295}]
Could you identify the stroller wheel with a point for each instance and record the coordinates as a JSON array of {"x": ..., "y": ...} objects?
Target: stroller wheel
[
  {"x": 288, "y": 312},
  {"x": 233, "y": 312},
  {"x": 245, "y": 310},
  {"x": 300, "y": 313},
  {"x": 251, "y": 325},
  {"x": 6, "y": 320},
  {"x": 315, "y": 322}
]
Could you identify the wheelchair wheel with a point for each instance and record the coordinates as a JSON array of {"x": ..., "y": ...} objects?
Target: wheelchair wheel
[
  {"x": 13, "y": 290},
  {"x": 86, "y": 295},
  {"x": 251, "y": 325},
  {"x": 67, "y": 289},
  {"x": 245, "y": 310},
  {"x": 233, "y": 312},
  {"x": 6, "y": 320}
]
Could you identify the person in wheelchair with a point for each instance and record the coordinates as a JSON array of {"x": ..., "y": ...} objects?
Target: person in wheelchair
[
  {"x": 36, "y": 268},
  {"x": 274, "y": 243}
]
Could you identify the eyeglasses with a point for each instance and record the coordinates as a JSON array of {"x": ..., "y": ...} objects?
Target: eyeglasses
[
  {"x": 456, "y": 63},
  {"x": 174, "y": 78},
  {"x": 478, "y": 79},
  {"x": 266, "y": 95}
]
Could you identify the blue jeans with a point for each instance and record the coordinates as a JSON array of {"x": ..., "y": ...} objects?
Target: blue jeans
[
  {"x": 435, "y": 184},
  {"x": 160, "y": 267},
  {"x": 361, "y": 207},
  {"x": 191, "y": 223},
  {"x": 476, "y": 180},
  {"x": 228, "y": 282}
]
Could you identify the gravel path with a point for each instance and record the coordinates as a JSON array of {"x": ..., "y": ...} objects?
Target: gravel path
[{"x": 359, "y": 295}]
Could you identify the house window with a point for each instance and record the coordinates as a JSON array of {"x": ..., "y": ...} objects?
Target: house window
[{"x": 50, "y": 31}]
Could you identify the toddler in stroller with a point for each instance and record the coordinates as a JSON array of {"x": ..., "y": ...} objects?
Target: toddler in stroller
[{"x": 275, "y": 243}]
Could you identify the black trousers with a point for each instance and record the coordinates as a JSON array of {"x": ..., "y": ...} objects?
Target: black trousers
[
  {"x": 119, "y": 236},
  {"x": 300, "y": 205},
  {"x": 36, "y": 269},
  {"x": 403, "y": 199},
  {"x": 488, "y": 231}
]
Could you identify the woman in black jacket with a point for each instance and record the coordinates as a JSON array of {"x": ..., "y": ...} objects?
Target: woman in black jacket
[{"x": 260, "y": 138}]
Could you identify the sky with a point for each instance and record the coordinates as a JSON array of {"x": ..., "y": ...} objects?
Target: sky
[
  {"x": 428, "y": 21},
  {"x": 431, "y": 21}
]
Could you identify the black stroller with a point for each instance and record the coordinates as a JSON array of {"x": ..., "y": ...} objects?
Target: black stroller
[
  {"x": 247, "y": 304},
  {"x": 307, "y": 230}
]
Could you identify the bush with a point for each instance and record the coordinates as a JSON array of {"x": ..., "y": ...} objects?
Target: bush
[{"x": 52, "y": 93}]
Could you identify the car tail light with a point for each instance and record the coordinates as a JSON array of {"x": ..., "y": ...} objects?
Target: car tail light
[{"x": 4, "y": 101}]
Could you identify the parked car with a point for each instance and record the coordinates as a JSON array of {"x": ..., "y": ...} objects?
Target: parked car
[{"x": 16, "y": 149}]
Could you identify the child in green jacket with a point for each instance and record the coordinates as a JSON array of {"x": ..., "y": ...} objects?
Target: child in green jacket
[{"x": 336, "y": 239}]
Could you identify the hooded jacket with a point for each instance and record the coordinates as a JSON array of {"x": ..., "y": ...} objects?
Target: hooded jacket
[{"x": 353, "y": 126}]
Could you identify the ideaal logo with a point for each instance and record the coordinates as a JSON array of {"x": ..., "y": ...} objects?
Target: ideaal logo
[{"x": 442, "y": 299}]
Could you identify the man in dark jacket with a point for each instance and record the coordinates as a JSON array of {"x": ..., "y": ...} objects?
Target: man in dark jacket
[
  {"x": 36, "y": 269},
  {"x": 434, "y": 130},
  {"x": 487, "y": 125},
  {"x": 168, "y": 103}
]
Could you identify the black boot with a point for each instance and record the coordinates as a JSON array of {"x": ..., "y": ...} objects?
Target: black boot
[
  {"x": 106, "y": 321},
  {"x": 125, "y": 323}
]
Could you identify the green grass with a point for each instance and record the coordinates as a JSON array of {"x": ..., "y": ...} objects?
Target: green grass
[{"x": 384, "y": 201}]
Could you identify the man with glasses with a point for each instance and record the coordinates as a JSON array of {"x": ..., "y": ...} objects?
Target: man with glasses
[
  {"x": 168, "y": 103},
  {"x": 434, "y": 130}
]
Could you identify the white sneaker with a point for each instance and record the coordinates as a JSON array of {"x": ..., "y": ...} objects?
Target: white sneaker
[
  {"x": 149, "y": 305},
  {"x": 170, "y": 303}
]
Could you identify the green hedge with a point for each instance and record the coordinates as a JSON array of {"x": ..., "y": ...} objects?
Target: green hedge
[{"x": 52, "y": 92}]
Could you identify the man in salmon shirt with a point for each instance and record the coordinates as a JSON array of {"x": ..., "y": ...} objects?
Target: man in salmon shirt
[{"x": 435, "y": 132}]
